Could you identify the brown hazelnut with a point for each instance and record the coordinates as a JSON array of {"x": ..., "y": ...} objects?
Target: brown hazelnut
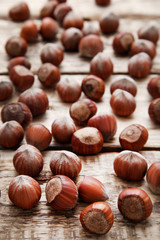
[
  {"x": 139, "y": 65},
  {"x": 72, "y": 20},
  {"x": 125, "y": 83},
  {"x": 90, "y": 45},
  {"x": 48, "y": 28},
  {"x": 65, "y": 163},
  {"x": 133, "y": 137},
  {"x": 90, "y": 28},
  {"x": 16, "y": 46},
  {"x": 109, "y": 23},
  {"x": 149, "y": 32},
  {"x": 6, "y": 89},
  {"x": 102, "y": 2},
  {"x": 19, "y": 12},
  {"x": 11, "y": 134},
  {"x": 93, "y": 87},
  {"x": 97, "y": 218},
  {"x": 61, "y": 11},
  {"x": 134, "y": 204},
  {"x": 69, "y": 90},
  {"x": 29, "y": 31},
  {"x": 51, "y": 53},
  {"x": 48, "y": 9},
  {"x": 24, "y": 192},
  {"x": 19, "y": 61},
  {"x": 21, "y": 77},
  {"x": 87, "y": 141},
  {"x": 153, "y": 177},
  {"x": 101, "y": 65},
  {"x": 154, "y": 110},
  {"x": 91, "y": 189},
  {"x": 122, "y": 42},
  {"x": 28, "y": 160},
  {"x": 122, "y": 102},
  {"x": 130, "y": 166},
  {"x": 142, "y": 45},
  {"x": 36, "y": 99},
  {"x": 48, "y": 75},
  {"x": 16, "y": 111},
  {"x": 105, "y": 123},
  {"x": 153, "y": 86},
  {"x": 71, "y": 38},
  {"x": 61, "y": 193},
  {"x": 82, "y": 110},
  {"x": 62, "y": 129},
  {"x": 38, "y": 135}
]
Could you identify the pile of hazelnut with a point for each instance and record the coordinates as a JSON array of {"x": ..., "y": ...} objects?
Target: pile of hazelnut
[{"x": 84, "y": 129}]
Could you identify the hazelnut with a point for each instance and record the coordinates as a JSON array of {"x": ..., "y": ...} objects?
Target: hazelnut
[
  {"x": 91, "y": 189},
  {"x": 69, "y": 90},
  {"x": 154, "y": 110},
  {"x": 16, "y": 46},
  {"x": 48, "y": 9},
  {"x": 51, "y": 53},
  {"x": 48, "y": 75},
  {"x": 62, "y": 129},
  {"x": 90, "y": 45},
  {"x": 153, "y": 86},
  {"x": 65, "y": 163},
  {"x": 24, "y": 192},
  {"x": 19, "y": 61},
  {"x": 87, "y": 141},
  {"x": 139, "y": 65},
  {"x": 97, "y": 218},
  {"x": 133, "y": 137},
  {"x": 122, "y": 102},
  {"x": 48, "y": 28},
  {"x": 125, "y": 83},
  {"x": 82, "y": 110},
  {"x": 11, "y": 134},
  {"x": 131, "y": 166},
  {"x": 153, "y": 177},
  {"x": 135, "y": 204},
  {"x": 29, "y": 31},
  {"x": 93, "y": 87},
  {"x": 61, "y": 11},
  {"x": 38, "y": 135},
  {"x": 6, "y": 89},
  {"x": 142, "y": 45},
  {"x": 36, "y": 99},
  {"x": 109, "y": 23},
  {"x": 61, "y": 193},
  {"x": 16, "y": 111},
  {"x": 71, "y": 38},
  {"x": 101, "y": 65},
  {"x": 149, "y": 32},
  {"x": 102, "y": 2},
  {"x": 105, "y": 123},
  {"x": 122, "y": 42},
  {"x": 90, "y": 28},
  {"x": 72, "y": 20},
  {"x": 19, "y": 12},
  {"x": 28, "y": 160},
  {"x": 21, "y": 77}
]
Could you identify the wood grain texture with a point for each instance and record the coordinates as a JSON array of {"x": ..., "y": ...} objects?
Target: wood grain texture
[{"x": 43, "y": 222}]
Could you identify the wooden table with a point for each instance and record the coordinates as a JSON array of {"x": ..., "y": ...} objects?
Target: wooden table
[{"x": 42, "y": 222}]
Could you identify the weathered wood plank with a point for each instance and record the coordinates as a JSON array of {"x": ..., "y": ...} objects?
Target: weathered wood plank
[
  {"x": 59, "y": 108},
  {"x": 43, "y": 222},
  {"x": 89, "y": 10}
]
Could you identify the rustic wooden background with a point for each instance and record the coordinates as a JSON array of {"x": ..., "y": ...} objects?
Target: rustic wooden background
[{"x": 42, "y": 222}]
